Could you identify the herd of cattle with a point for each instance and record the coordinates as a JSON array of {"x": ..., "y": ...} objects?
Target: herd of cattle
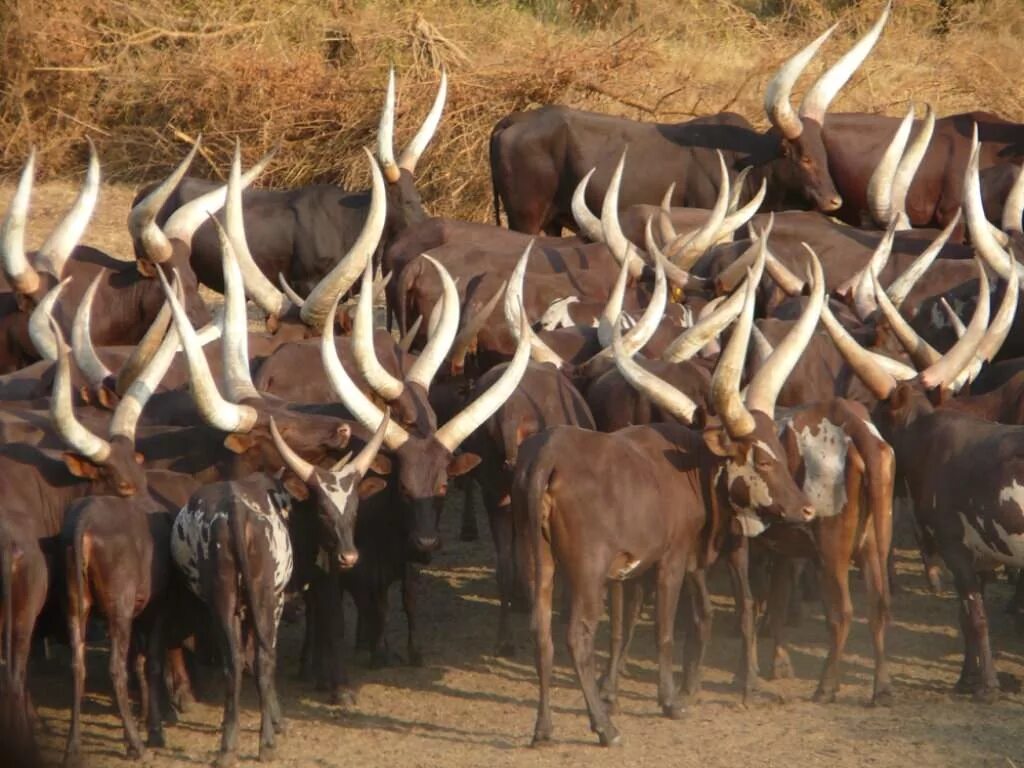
[{"x": 709, "y": 368}]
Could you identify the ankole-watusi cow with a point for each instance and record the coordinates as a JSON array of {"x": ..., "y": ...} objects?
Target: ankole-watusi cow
[
  {"x": 664, "y": 496},
  {"x": 299, "y": 232},
  {"x": 130, "y": 300},
  {"x": 964, "y": 474},
  {"x": 538, "y": 157}
]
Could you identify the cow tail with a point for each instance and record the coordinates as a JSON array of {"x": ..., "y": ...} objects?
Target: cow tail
[
  {"x": 78, "y": 545},
  {"x": 880, "y": 490},
  {"x": 493, "y": 149},
  {"x": 6, "y": 590},
  {"x": 241, "y": 552},
  {"x": 538, "y": 533}
]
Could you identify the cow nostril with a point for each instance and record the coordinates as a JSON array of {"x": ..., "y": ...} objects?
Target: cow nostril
[
  {"x": 426, "y": 544},
  {"x": 835, "y": 203},
  {"x": 348, "y": 559},
  {"x": 808, "y": 513}
]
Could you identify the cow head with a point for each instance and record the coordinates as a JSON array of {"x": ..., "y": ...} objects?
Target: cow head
[
  {"x": 335, "y": 493},
  {"x": 801, "y": 145},
  {"x": 404, "y": 204},
  {"x": 425, "y": 454}
]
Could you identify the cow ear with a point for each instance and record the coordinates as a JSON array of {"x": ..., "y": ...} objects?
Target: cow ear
[
  {"x": 79, "y": 466},
  {"x": 25, "y": 303},
  {"x": 462, "y": 464},
  {"x": 139, "y": 458},
  {"x": 84, "y": 395},
  {"x": 239, "y": 442},
  {"x": 297, "y": 489},
  {"x": 106, "y": 397},
  {"x": 344, "y": 434},
  {"x": 717, "y": 441},
  {"x": 371, "y": 485},
  {"x": 145, "y": 268},
  {"x": 381, "y": 464}
]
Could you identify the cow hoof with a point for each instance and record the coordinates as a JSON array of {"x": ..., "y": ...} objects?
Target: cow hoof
[
  {"x": 882, "y": 698},
  {"x": 610, "y": 737},
  {"x": 986, "y": 695},
  {"x": 268, "y": 753},
  {"x": 965, "y": 685},
  {"x": 673, "y": 711},
  {"x": 782, "y": 669},
  {"x": 343, "y": 697},
  {"x": 72, "y": 759},
  {"x": 183, "y": 701},
  {"x": 155, "y": 740},
  {"x": 225, "y": 760},
  {"x": 135, "y": 751},
  {"x": 824, "y": 696},
  {"x": 541, "y": 737}
]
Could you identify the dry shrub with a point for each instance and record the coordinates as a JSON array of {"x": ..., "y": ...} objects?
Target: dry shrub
[{"x": 144, "y": 78}]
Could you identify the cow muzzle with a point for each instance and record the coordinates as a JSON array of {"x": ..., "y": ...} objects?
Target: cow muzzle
[
  {"x": 426, "y": 543},
  {"x": 347, "y": 560},
  {"x": 832, "y": 204}
]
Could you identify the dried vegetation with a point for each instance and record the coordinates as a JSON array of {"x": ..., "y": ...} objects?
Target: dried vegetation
[{"x": 143, "y": 78}]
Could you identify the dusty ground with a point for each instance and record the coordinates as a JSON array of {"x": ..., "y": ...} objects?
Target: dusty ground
[{"x": 466, "y": 707}]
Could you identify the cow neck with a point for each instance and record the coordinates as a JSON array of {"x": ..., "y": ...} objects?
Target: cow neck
[{"x": 717, "y": 534}]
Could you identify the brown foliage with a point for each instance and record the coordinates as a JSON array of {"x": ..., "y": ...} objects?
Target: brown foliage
[{"x": 144, "y": 78}]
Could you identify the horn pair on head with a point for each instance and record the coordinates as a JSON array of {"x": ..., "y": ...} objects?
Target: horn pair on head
[{"x": 386, "y": 131}]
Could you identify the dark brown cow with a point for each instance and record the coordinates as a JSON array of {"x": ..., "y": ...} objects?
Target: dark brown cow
[
  {"x": 539, "y": 157},
  {"x": 667, "y": 499}
]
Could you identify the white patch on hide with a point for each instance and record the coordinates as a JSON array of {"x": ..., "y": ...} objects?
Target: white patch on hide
[
  {"x": 557, "y": 314},
  {"x": 824, "y": 459}
]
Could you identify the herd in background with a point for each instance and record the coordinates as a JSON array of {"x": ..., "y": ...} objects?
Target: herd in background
[{"x": 750, "y": 345}]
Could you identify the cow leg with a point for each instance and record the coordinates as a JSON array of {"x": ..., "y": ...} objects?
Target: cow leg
[
  {"x": 747, "y": 677},
  {"x": 584, "y": 616},
  {"x": 625, "y": 602},
  {"x": 835, "y": 537},
  {"x": 154, "y": 674},
  {"x": 120, "y": 627},
  {"x": 469, "y": 530},
  {"x": 698, "y": 631},
  {"x": 499, "y": 517},
  {"x": 378, "y": 612},
  {"x": 670, "y": 581},
  {"x": 783, "y": 576},
  {"x": 543, "y": 595},
  {"x": 78, "y": 615},
  {"x": 265, "y": 663},
  {"x": 410, "y": 581},
  {"x": 974, "y": 624},
  {"x": 233, "y": 659},
  {"x": 873, "y": 564}
]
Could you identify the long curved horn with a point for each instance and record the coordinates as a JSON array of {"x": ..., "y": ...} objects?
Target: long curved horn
[
  {"x": 238, "y": 385},
  {"x": 900, "y": 288},
  {"x": 982, "y": 235},
  {"x": 386, "y": 132},
  {"x": 694, "y": 338},
  {"x": 588, "y": 223},
  {"x": 292, "y": 460},
  {"x": 17, "y": 269},
  {"x": 737, "y": 188},
  {"x": 763, "y": 391},
  {"x": 740, "y": 216},
  {"x": 820, "y": 95},
  {"x": 472, "y": 327},
  {"x": 613, "y": 307},
  {"x": 358, "y": 404},
  {"x": 362, "y": 461},
  {"x": 945, "y": 370},
  {"x": 1013, "y": 208},
  {"x": 880, "y": 184},
  {"x": 465, "y": 423},
  {"x": 920, "y": 351},
  {"x": 907, "y": 168},
  {"x": 183, "y": 223},
  {"x": 62, "y": 413},
  {"x": 614, "y": 237},
  {"x": 343, "y": 276},
  {"x": 666, "y": 231},
  {"x": 540, "y": 351},
  {"x": 126, "y": 415},
  {"x": 405, "y": 343},
  {"x": 88, "y": 362},
  {"x": 679, "y": 278},
  {"x": 142, "y": 219},
  {"x": 422, "y": 372},
  {"x": 725, "y": 389},
  {"x": 54, "y": 253},
  {"x": 863, "y": 294},
  {"x": 263, "y": 292},
  {"x": 363, "y": 350},
  {"x": 1001, "y": 324},
  {"x": 733, "y": 274},
  {"x": 868, "y": 369},
  {"x": 132, "y": 368},
  {"x": 954, "y": 319},
  {"x": 685, "y": 254},
  {"x": 411, "y": 154},
  {"x": 215, "y": 410},
  {"x": 653, "y": 387},
  {"x": 777, "y": 92},
  {"x": 39, "y": 323}
]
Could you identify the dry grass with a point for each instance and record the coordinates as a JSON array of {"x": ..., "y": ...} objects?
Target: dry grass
[{"x": 143, "y": 80}]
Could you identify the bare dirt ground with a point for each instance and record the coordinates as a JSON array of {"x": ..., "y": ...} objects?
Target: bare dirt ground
[{"x": 466, "y": 707}]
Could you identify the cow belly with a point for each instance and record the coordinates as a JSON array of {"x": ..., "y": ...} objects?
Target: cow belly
[{"x": 987, "y": 536}]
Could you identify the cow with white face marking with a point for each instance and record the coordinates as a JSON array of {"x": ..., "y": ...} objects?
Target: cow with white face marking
[
  {"x": 232, "y": 544},
  {"x": 963, "y": 474}
]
